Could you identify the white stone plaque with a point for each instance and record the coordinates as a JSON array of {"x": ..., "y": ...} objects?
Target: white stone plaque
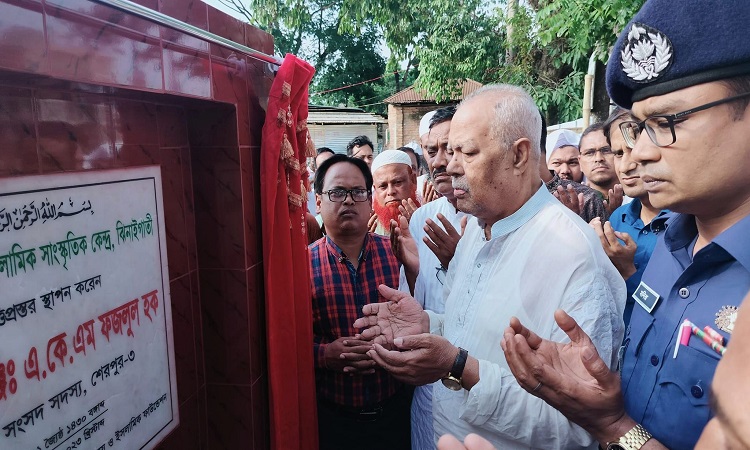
[{"x": 86, "y": 346}]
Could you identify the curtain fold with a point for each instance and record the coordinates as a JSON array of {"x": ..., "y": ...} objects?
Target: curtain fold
[{"x": 284, "y": 147}]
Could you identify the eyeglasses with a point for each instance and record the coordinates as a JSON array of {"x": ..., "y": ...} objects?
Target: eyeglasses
[
  {"x": 440, "y": 274},
  {"x": 591, "y": 152},
  {"x": 339, "y": 195},
  {"x": 660, "y": 128}
]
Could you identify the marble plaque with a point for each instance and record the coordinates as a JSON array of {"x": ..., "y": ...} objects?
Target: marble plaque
[{"x": 86, "y": 345}]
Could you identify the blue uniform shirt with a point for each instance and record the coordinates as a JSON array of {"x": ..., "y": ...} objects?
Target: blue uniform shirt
[
  {"x": 670, "y": 396},
  {"x": 627, "y": 218}
]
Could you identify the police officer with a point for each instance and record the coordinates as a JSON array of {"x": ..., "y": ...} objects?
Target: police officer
[{"x": 683, "y": 69}]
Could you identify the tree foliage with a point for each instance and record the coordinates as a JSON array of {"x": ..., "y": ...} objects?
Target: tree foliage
[{"x": 543, "y": 45}]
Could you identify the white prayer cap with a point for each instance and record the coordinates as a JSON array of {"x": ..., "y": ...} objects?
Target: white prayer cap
[
  {"x": 390, "y": 157},
  {"x": 424, "y": 124},
  {"x": 561, "y": 138}
]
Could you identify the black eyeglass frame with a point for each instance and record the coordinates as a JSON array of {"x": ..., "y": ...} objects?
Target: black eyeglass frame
[
  {"x": 670, "y": 118},
  {"x": 347, "y": 193},
  {"x": 605, "y": 151}
]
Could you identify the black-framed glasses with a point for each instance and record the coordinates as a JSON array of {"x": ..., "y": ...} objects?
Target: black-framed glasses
[
  {"x": 339, "y": 195},
  {"x": 590, "y": 153},
  {"x": 440, "y": 274},
  {"x": 660, "y": 128}
]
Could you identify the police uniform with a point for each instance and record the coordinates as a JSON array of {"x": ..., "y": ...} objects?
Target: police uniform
[
  {"x": 670, "y": 396},
  {"x": 666, "y": 47}
]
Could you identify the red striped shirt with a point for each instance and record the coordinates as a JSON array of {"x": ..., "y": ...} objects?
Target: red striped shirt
[{"x": 338, "y": 294}]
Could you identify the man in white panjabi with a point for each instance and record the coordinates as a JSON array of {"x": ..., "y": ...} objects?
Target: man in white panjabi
[
  {"x": 436, "y": 228},
  {"x": 523, "y": 254}
]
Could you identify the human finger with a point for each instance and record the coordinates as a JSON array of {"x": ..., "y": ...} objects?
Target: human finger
[
  {"x": 514, "y": 346},
  {"x": 354, "y": 342},
  {"x": 571, "y": 328},
  {"x": 464, "y": 221},
  {"x": 580, "y": 203},
  {"x": 476, "y": 442},
  {"x": 599, "y": 230},
  {"x": 609, "y": 234},
  {"x": 450, "y": 230},
  {"x": 390, "y": 294},
  {"x": 357, "y": 356},
  {"x": 356, "y": 350},
  {"x": 372, "y": 224},
  {"x": 448, "y": 442},
  {"x": 388, "y": 359},
  {"x": 532, "y": 338},
  {"x": 625, "y": 237},
  {"x": 434, "y": 231}
]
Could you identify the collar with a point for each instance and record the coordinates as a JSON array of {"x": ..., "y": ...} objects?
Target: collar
[
  {"x": 525, "y": 213},
  {"x": 336, "y": 251},
  {"x": 682, "y": 230},
  {"x": 631, "y": 215}
]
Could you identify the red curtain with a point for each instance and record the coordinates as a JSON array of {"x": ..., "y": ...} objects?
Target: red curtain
[{"x": 285, "y": 145}]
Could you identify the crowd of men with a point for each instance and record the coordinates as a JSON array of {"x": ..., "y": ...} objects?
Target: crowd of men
[{"x": 549, "y": 292}]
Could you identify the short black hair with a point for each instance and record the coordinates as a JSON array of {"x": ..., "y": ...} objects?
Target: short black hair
[
  {"x": 618, "y": 113},
  {"x": 737, "y": 86},
  {"x": 407, "y": 149},
  {"x": 543, "y": 139},
  {"x": 320, "y": 176},
  {"x": 442, "y": 115},
  {"x": 360, "y": 141},
  {"x": 322, "y": 150},
  {"x": 598, "y": 126}
]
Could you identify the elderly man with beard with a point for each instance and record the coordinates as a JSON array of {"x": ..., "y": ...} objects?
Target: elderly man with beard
[
  {"x": 597, "y": 164},
  {"x": 435, "y": 228},
  {"x": 395, "y": 186},
  {"x": 630, "y": 235},
  {"x": 501, "y": 268}
]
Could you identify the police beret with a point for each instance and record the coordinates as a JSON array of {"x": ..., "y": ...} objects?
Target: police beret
[{"x": 670, "y": 45}]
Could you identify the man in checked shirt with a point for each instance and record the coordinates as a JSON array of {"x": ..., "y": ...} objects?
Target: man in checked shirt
[{"x": 357, "y": 401}]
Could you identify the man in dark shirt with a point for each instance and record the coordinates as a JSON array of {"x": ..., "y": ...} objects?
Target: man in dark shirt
[{"x": 355, "y": 398}]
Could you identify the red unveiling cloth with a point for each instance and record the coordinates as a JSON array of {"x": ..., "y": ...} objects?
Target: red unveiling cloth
[{"x": 285, "y": 145}]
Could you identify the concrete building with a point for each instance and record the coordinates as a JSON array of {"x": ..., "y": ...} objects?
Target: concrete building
[{"x": 406, "y": 108}]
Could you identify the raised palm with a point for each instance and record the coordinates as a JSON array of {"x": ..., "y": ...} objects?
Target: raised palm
[{"x": 400, "y": 316}]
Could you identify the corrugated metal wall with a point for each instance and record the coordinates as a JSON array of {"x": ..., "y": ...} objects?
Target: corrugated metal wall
[{"x": 337, "y": 136}]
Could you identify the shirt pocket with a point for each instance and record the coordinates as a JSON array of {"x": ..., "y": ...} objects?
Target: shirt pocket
[
  {"x": 683, "y": 395},
  {"x": 639, "y": 329}
]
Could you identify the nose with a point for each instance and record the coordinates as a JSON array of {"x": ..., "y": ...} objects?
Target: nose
[
  {"x": 349, "y": 198},
  {"x": 645, "y": 150},
  {"x": 565, "y": 169},
  {"x": 454, "y": 168},
  {"x": 440, "y": 160}
]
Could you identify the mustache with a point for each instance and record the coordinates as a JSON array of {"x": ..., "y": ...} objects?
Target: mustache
[
  {"x": 439, "y": 171},
  {"x": 460, "y": 183}
]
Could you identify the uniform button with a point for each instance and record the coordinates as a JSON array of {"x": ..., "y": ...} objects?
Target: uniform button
[
  {"x": 479, "y": 265},
  {"x": 654, "y": 360},
  {"x": 684, "y": 292},
  {"x": 697, "y": 391},
  {"x": 644, "y": 231}
]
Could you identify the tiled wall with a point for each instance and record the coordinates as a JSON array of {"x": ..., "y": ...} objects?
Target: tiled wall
[{"x": 84, "y": 87}]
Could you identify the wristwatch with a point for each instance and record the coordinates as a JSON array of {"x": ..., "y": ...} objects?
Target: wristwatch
[
  {"x": 453, "y": 380},
  {"x": 632, "y": 440}
]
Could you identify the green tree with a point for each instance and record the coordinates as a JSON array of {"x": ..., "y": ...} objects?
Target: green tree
[{"x": 312, "y": 30}]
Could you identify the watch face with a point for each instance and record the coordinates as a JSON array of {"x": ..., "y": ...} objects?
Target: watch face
[{"x": 451, "y": 383}]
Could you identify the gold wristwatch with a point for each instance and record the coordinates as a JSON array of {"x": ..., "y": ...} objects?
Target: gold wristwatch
[{"x": 632, "y": 440}]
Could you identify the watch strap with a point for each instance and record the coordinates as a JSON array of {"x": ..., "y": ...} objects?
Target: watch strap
[
  {"x": 457, "y": 370},
  {"x": 632, "y": 440}
]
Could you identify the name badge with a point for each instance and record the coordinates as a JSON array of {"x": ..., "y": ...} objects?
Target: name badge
[{"x": 646, "y": 297}]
